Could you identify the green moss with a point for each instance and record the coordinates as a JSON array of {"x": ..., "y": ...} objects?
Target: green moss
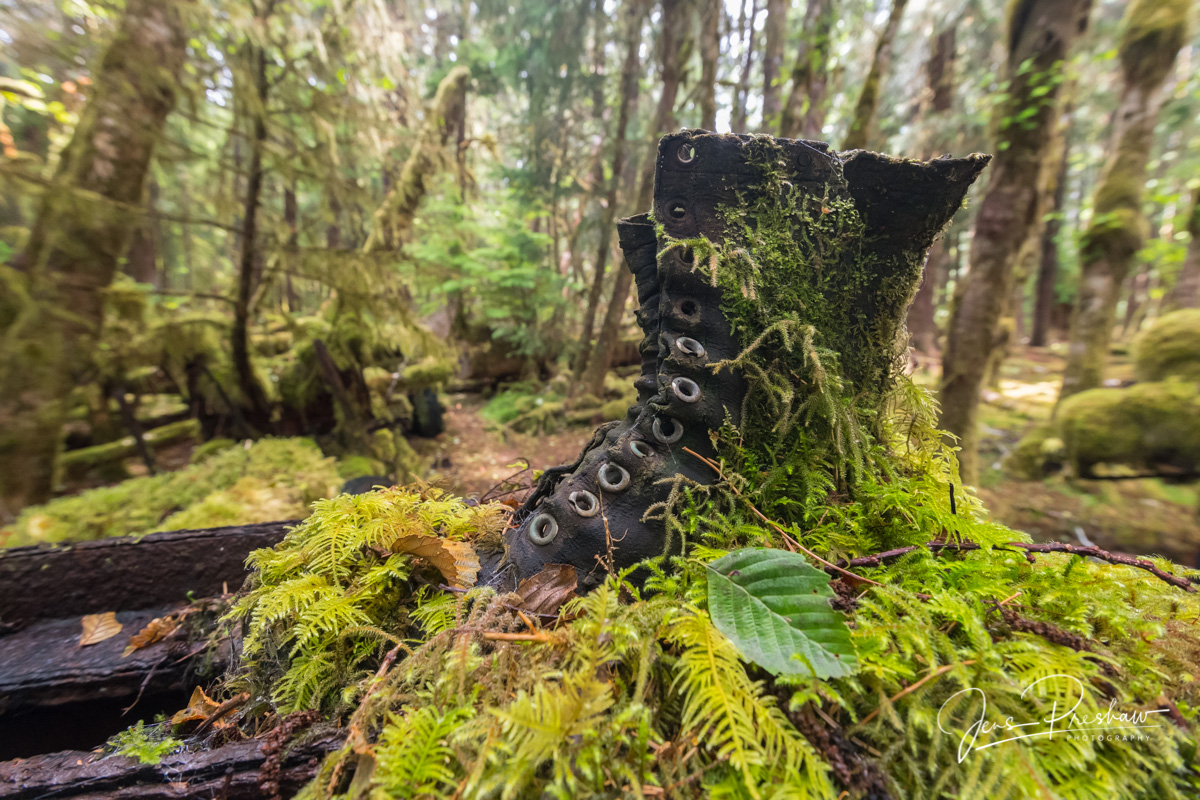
[
  {"x": 1039, "y": 453},
  {"x": 352, "y": 467},
  {"x": 269, "y": 480},
  {"x": 147, "y": 744},
  {"x": 77, "y": 463},
  {"x": 1154, "y": 32},
  {"x": 1170, "y": 348},
  {"x": 1148, "y": 426},
  {"x": 210, "y": 448}
]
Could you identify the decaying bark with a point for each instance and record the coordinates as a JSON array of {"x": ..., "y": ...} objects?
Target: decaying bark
[
  {"x": 1041, "y": 33},
  {"x": 1154, "y": 32},
  {"x": 51, "y": 309},
  {"x": 863, "y": 120}
]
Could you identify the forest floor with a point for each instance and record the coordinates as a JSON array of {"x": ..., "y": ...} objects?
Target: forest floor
[{"x": 1135, "y": 515}]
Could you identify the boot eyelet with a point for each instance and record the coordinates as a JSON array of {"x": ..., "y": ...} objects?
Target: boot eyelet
[
  {"x": 686, "y": 154},
  {"x": 543, "y": 529},
  {"x": 686, "y": 389},
  {"x": 640, "y": 449},
  {"x": 690, "y": 347},
  {"x": 677, "y": 209},
  {"x": 613, "y": 477},
  {"x": 689, "y": 308},
  {"x": 687, "y": 255},
  {"x": 586, "y": 504},
  {"x": 667, "y": 438}
]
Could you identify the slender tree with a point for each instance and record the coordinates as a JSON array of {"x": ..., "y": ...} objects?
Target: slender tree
[
  {"x": 939, "y": 71},
  {"x": 772, "y": 63},
  {"x": 863, "y": 120},
  {"x": 1040, "y": 36},
  {"x": 711, "y": 12},
  {"x": 804, "y": 111},
  {"x": 635, "y": 14},
  {"x": 1153, "y": 32},
  {"x": 1186, "y": 291},
  {"x": 741, "y": 95},
  {"x": 51, "y": 312},
  {"x": 673, "y": 53},
  {"x": 1047, "y": 277}
]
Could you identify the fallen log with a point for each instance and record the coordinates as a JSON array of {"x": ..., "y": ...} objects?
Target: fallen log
[
  {"x": 231, "y": 772},
  {"x": 126, "y": 574}
]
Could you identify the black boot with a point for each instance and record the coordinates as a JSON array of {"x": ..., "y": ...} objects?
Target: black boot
[{"x": 593, "y": 515}]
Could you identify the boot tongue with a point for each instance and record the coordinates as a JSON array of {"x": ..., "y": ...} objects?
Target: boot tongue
[{"x": 639, "y": 244}]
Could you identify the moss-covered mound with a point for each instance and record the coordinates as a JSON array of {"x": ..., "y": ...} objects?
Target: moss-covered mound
[
  {"x": 1148, "y": 426},
  {"x": 1170, "y": 348},
  {"x": 272, "y": 479}
]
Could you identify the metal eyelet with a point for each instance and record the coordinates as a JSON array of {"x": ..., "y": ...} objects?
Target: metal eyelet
[
  {"x": 686, "y": 389},
  {"x": 586, "y": 504},
  {"x": 608, "y": 481},
  {"x": 671, "y": 438},
  {"x": 640, "y": 449},
  {"x": 686, "y": 154},
  {"x": 677, "y": 209},
  {"x": 690, "y": 347},
  {"x": 543, "y": 529}
]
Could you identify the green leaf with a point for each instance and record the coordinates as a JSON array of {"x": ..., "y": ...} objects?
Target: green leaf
[{"x": 775, "y": 609}]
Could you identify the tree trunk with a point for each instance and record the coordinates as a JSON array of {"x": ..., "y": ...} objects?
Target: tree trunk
[
  {"x": 939, "y": 71},
  {"x": 82, "y": 229},
  {"x": 1047, "y": 278},
  {"x": 252, "y": 392},
  {"x": 742, "y": 92},
  {"x": 393, "y": 219},
  {"x": 636, "y": 11},
  {"x": 863, "y": 120},
  {"x": 711, "y": 12},
  {"x": 1041, "y": 35},
  {"x": 804, "y": 112},
  {"x": 1154, "y": 32},
  {"x": 776, "y": 33},
  {"x": 674, "y": 52},
  {"x": 1186, "y": 291}
]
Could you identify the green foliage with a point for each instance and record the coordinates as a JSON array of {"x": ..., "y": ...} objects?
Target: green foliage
[
  {"x": 268, "y": 480},
  {"x": 1170, "y": 348},
  {"x": 148, "y": 744},
  {"x": 775, "y": 609},
  {"x": 335, "y": 590}
]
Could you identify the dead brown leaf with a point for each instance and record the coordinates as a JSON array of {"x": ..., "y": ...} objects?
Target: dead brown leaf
[
  {"x": 199, "y": 708},
  {"x": 545, "y": 592},
  {"x": 156, "y": 630},
  {"x": 99, "y": 627},
  {"x": 457, "y": 561}
]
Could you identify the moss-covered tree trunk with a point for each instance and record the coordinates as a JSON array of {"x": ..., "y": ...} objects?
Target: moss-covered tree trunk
[
  {"x": 394, "y": 218},
  {"x": 1040, "y": 36},
  {"x": 1186, "y": 291},
  {"x": 1154, "y": 30},
  {"x": 1047, "y": 277},
  {"x": 674, "y": 50},
  {"x": 51, "y": 307},
  {"x": 804, "y": 111},
  {"x": 772, "y": 64},
  {"x": 863, "y": 120}
]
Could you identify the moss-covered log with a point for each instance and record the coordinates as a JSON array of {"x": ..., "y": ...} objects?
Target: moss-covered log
[
  {"x": 1040, "y": 36},
  {"x": 1154, "y": 30},
  {"x": 51, "y": 307},
  {"x": 78, "y": 462},
  {"x": 1170, "y": 348}
]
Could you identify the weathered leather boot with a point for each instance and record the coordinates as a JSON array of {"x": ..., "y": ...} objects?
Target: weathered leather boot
[{"x": 593, "y": 514}]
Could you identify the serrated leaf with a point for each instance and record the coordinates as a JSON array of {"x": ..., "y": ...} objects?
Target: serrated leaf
[{"x": 774, "y": 606}]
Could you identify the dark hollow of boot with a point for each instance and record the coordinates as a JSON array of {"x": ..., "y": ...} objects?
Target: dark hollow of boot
[{"x": 753, "y": 230}]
